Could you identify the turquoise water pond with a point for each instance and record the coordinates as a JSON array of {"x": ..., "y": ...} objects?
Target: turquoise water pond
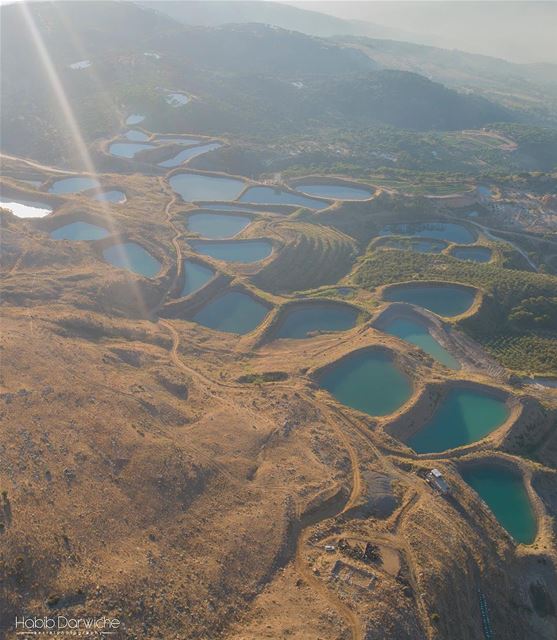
[
  {"x": 217, "y": 225},
  {"x": 188, "y": 154},
  {"x": 420, "y": 246},
  {"x": 269, "y": 195},
  {"x": 232, "y": 312},
  {"x": 79, "y": 230},
  {"x": 25, "y": 208},
  {"x": 445, "y": 300},
  {"x": 111, "y": 196},
  {"x": 301, "y": 320},
  {"x": 234, "y": 250},
  {"x": 335, "y": 191},
  {"x": 368, "y": 381},
  {"x": 416, "y": 333},
  {"x": 194, "y": 186},
  {"x": 449, "y": 231},
  {"x": 133, "y": 135},
  {"x": 472, "y": 254},
  {"x": 505, "y": 494},
  {"x": 73, "y": 185},
  {"x": 128, "y": 149},
  {"x": 464, "y": 416},
  {"x": 195, "y": 276},
  {"x": 133, "y": 257}
]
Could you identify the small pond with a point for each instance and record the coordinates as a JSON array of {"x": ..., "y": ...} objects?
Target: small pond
[
  {"x": 368, "y": 381},
  {"x": 411, "y": 244},
  {"x": 484, "y": 191},
  {"x": 25, "y": 208},
  {"x": 234, "y": 250},
  {"x": 135, "y": 118},
  {"x": 73, "y": 185},
  {"x": 194, "y": 186},
  {"x": 449, "y": 231},
  {"x": 472, "y": 254},
  {"x": 270, "y": 195},
  {"x": 195, "y": 276},
  {"x": 445, "y": 300},
  {"x": 177, "y": 99},
  {"x": 232, "y": 312},
  {"x": 133, "y": 257},
  {"x": 133, "y": 135},
  {"x": 464, "y": 416},
  {"x": 503, "y": 491},
  {"x": 79, "y": 230},
  {"x": 128, "y": 149},
  {"x": 416, "y": 333},
  {"x": 217, "y": 225},
  {"x": 188, "y": 154},
  {"x": 300, "y": 321},
  {"x": 335, "y": 191}
]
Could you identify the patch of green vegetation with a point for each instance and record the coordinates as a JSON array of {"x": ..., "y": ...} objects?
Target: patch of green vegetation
[
  {"x": 530, "y": 353},
  {"x": 260, "y": 378},
  {"x": 517, "y": 304}
]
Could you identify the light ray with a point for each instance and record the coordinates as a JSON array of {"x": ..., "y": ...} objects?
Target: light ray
[{"x": 74, "y": 130}]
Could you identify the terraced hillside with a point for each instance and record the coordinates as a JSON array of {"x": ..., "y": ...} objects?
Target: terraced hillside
[{"x": 314, "y": 255}]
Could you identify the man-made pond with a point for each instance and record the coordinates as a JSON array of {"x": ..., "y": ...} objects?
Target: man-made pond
[
  {"x": 133, "y": 257},
  {"x": 73, "y": 185},
  {"x": 135, "y": 118},
  {"x": 335, "y": 191},
  {"x": 25, "y": 208},
  {"x": 485, "y": 192},
  {"x": 301, "y": 320},
  {"x": 449, "y": 231},
  {"x": 416, "y": 333},
  {"x": 503, "y": 491},
  {"x": 232, "y": 312},
  {"x": 80, "y": 64},
  {"x": 464, "y": 416},
  {"x": 472, "y": 254},
  {"x": 133, "y": 135},
  {"x": 217, "y": 225},
  {"x": 270, "y": 195},
  {"x": 234, "y": 250},
  {"x": 195, "y": 276},
  {"x": 188, "y": 154},
  {"x": 443, "y": 299},
  {"x": 195, "y": 186},
  {"x": 128, "y": 149},
  {"x": 79, "y": 230},
  {"x": 368, "y": 381},
  {"x": 111, "y": 196},
  {"x": 411, "y": 244},
  {"x": 177, "y": 99}
]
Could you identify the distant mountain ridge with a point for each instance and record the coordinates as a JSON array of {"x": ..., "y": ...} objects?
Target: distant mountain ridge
[
  {"x": 246, "y": 79},
  {"x": 216, "y": 13}
]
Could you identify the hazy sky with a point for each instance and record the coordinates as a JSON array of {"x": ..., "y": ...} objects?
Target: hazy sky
[{"x": 523, "y": 31}]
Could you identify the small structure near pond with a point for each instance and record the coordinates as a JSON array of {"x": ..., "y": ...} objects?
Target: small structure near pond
[{"x": 437, "y": 482}]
